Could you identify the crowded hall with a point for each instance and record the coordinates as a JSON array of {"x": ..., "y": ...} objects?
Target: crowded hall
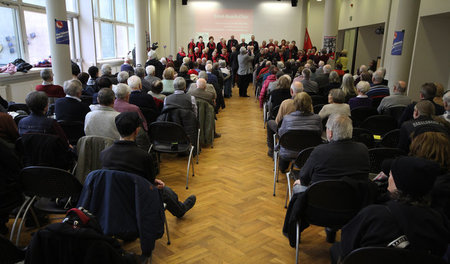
[{"x": 208, "y": 131}]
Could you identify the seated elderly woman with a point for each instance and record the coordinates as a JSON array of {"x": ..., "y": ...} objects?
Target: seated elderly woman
[
  {"x": 302, "y": 119},
  {"x": 348, "y": 86},
  {"x": 361, "y": 100},
  {"x": 336, "y": 105},
  {"x": 168, "y": 77}
]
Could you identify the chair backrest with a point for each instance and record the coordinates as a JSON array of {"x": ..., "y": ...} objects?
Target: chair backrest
[
  {"x": 359, "y": 114},
  {"x": 331, "y": 203},
  {"x": 396, "y": 112},
  {"x": 274, "y": 112},
  {"x": 48, "y": 182},
  {"x": 74, "y": 130},
  {"x": 377, "y": 155},
  {"x": 377, "y": 255},
  {"x": 277, "y": 96},
  {"x": 303, "y": 157},
  {"x": 391, "y": 138},
  {"x": 363, "y": 136},
  {"x": 167, "y": 133},
  {"x": 379, "y": 124},
  {"x": 149, "y": 114},
  {"x": 318, "y": 99},
  {"x": 86, "y": 99},
  {"x": 17, "y": 118},
  {"x": 16, "y": 107},
  {"x": 297, "y": 140},
  {"x": 376, "y": 101},
  {"x": 317, "y": 108}
]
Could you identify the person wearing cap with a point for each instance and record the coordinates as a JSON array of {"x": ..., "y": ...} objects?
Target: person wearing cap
[
  {"x": 125, "y": 155},
  {"x": 245, "y": 69},
  {"x": 406, "y": 221}
]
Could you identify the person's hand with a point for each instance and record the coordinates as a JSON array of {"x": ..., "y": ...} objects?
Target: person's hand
[
  {"x": 159, "y": 184},
  {"x": 297, "y": 182}
]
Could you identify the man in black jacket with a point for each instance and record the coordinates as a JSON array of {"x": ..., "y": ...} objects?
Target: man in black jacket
[
  {"x": 126, "y": 156},
  {"x": 70, "y": 108},
  {"x": 153, "y": 60},
  {"x": 143, "y": 100}
]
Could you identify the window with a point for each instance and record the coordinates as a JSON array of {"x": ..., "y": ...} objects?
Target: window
[
  {"x": 35, "y": 2},
  {"x": 122, "y": 46},
  {"x": 130, "y": 9},
  {"x": 37, "y": 36},
  {"x": 9, "y": 38},
  {"x": 106, "y": 9},
  {"x": 121, "y": 11},
  {"x": 71, "y": 5},
  {"x": 131, "y": 41},
  {"x": 107, "y": 40}
]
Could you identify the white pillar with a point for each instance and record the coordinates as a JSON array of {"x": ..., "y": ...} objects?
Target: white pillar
[
  {"x": 331, "y": 19},
  {"x": 173, "y": 28},
  {"x": 140, "y": 26},
  {"x": 405, "y": 19},
  {"x": 61, "y": 65},
  {"x": 303, "y": 22}
]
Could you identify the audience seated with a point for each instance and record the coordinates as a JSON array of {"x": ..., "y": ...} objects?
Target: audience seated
[
  {"x": 91, "y": 85},
  {"x": 83, "y": 77},
  {"x": 323, "y": 80},
  {"x": 348, "y": 86},
  {"x": 398, "y": 98},
  {"x": 378, "y": 89},
  {"x": 101, "y": 83},
  {"x": 138, "y": 96},
  {"x": 271, "y": 77},
  {"x": 146, "y": 85},
  {"x": 446, "y": 100},
  {"x": 199, "y": 92},
  {"x": 70, "y": 108},
  {"x": 107, "y": 73},
  {"x": 158, "y": 97},
  {"x": 168, "y": 86},
  {"x": 303, "y": 118},
  {"x": 8, "y": 129},
  {"x": 127, "y": 66},
  {"x": 153, "y": 60},
  {"x": 151, "y": 78},
  {"x": 361, "y": 100},
  {"x": 122, "y": 77},
  {"x": 47, "y": 86},
  {"x": 209, "y": 87},
  {"x": 335, "y": 105},
  {"x": 439, "y": 94},
  {"x": 335, "y": 82},
  {"x": 122, "y": 104}
]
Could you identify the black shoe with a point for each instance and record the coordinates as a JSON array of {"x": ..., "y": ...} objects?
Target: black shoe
[
  {"x": 331, "y": 235},
  {"x": 217, "y": 135},
  {"x": 270, "y": 153},
  {"x": 189, "y": 202},
  {"x": 246, "y": 96}
]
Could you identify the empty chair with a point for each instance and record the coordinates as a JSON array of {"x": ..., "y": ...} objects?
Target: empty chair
[
  {"x": 41, "y": 184},
  {"x": 377, "y": 155},
  {"x": 169, "y": 137},
  {"x": 385, "y": 255},
  {"x": 74, "y": 130},
  {"x": 364, "y": 136},
  {"x": 359, "y": 114},
  {"x": 390, "y": 139},
  {"x": 379, "y": 124}
]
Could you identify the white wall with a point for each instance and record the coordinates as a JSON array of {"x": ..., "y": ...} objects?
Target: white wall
[
  {"x": 434, "y": 7},
  {"x": 363, "y": 13},
  {"x": 315, "y": 22},
  {"x": 369, "y": 45},
  {"x": 431, "y": 55}
]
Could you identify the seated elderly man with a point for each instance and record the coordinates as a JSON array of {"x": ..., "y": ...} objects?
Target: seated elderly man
[
  {"x": 47, "y": 85},
  {"x": 125, "y": 155},
  {"x": 378, "y": 89},
  {"x": 107, "y": 72},
  {"x": 70, "y": 108},
  {"x": 179, "y": 99},
  {"x": 121, "y": 104},
  {"x": 398, "y": 98},
  {"x": 151, "y": 78},
  {"x": 341, "y": 157},
  {"x": 126, "y": 66},
  {"x": 199, "y": 92},
  {"x": 146, "y": 85},
  {"x": 122, "y": 77},
  {"x": 142, "y": 99},
  {"x": 100, "y": 122}
]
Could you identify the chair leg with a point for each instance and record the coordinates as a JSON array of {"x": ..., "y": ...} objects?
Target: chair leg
[
  {"x": 25, "y": 203},
  {"x": 198, "y": 144},
  {"x": 24, "y": 217},
  {"x": 264, "y": 114},
  {"x": 275, "y": 169},
  {"x": 297, "y": 233},
  {"x": 189, "y": 163},
  {"x": 167, "y": 228},
  {"x": 288, "y": 188}
]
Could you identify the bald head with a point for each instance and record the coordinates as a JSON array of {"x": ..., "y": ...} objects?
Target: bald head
[
  {"x": 400, "y": 87},
  {"x": 201, "y": 83},
  {"x": 296, "y": 87}
]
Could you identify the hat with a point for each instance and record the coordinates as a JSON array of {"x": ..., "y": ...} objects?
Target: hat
[
  {"x": 414, "y": 176},
  {"x": 127, "y": 122}
]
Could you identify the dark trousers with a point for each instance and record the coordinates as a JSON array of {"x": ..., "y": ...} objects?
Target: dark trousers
[
  {"x": 170, "y": 198},
  {"x": 243, "y": 82}
]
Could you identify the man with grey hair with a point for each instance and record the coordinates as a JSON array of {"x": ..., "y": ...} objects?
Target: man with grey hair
[
  {"x": 151, "y": 78},
  {"x": 70, "y": 108},
  {"x": 446, "y": 99},
  {"x": 378, "y": 90},
  {"x": 398, "y": 98},
  {"x": 245, "y": 70},
  {"x": 320, "y": 69},
  {"x": 199, "y": 92},
  {"x": 308, "y": 85},
  {"x": 209, "y": 87},
  {"x": 123, "y": 76},
  {"x": 153, "y": 60},
  {"x": 323, "y": 80},
  {"x": 47, "y": 86},
  {"x": 107, "y": 72},
  {"x": 179, "y": 99},
  {"x": 121, "y": 104},
  {"x": 142, "y": 99},
  {"x": 146, "y": 85},
  {"x": 286, "y": 107},
  {"x": 339, "y": 158}
]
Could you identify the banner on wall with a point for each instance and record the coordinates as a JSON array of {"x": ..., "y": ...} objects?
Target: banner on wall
[
  {"x": 397, "y": 46},
  {"x": 329, "y": 43},
  {"x": 224, "y": 23},
  {"x": 61, "y": 32},
  {"x": 307, "y": 44}
]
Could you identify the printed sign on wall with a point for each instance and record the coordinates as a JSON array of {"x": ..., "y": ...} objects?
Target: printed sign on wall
[
  {"x": 397, "y": 46},
  {"x": 61, "y": 32}
]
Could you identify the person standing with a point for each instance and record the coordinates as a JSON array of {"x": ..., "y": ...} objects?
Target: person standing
[{"x": 245, "y": 59}]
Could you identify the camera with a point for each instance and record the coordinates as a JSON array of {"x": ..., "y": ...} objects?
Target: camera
[{"x": 155, "y": 46}]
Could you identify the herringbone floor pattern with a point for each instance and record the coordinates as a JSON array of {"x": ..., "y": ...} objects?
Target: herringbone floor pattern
[{"x": 236, "y": 219}]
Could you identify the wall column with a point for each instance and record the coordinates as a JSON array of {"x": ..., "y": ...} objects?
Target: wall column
[
  {"x": 61, "y": 65},
  {"x": 405, "y": 19},
  {"x": 140, "y": 26},
  {"x": 173, "y": 28},
  {"x": 331, "y": 20},
  {"x": 303, "y": 22}
]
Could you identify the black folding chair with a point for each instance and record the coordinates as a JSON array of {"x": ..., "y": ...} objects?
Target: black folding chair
[
  {"x": 359, "y": 114},
  {"x": 390, "y": 139},
  {"x": 17, "y": 107},
  {"x": 74, "y": 130},
  {"x": 363, "y": 136},
  {"x": 377, "y": 155},
  {"x": 170, "y": 137},
  {"x": 385, "y": 255},
  {"x": 17, "y": 118},
  {"x": 329, "y": 204},
  {"x": 86, "y": 99},
  {"x": 317, "y": 108},
  {"x": 295, "y": 170},
  {"x": 396, "y": 112},
  {"x": 273, "y": 113},
  {"x": 42, "y": 184},
  {"x": 9, "y": 252},
  {"x": 295, "y": 140},
  {"x": 318, "y": 99},
  {"x": 379, "y": 124}
]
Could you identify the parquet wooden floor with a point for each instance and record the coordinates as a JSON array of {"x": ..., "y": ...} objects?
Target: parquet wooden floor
[{"x": 236, "y": 219}]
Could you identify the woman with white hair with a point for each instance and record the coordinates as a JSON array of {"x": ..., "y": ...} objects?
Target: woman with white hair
[{"x": 361, "y": 100}]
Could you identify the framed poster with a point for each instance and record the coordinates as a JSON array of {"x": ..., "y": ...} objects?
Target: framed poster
[
  {"x": 61, "y": 32},
  {"x": 397, "y": 46}
]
